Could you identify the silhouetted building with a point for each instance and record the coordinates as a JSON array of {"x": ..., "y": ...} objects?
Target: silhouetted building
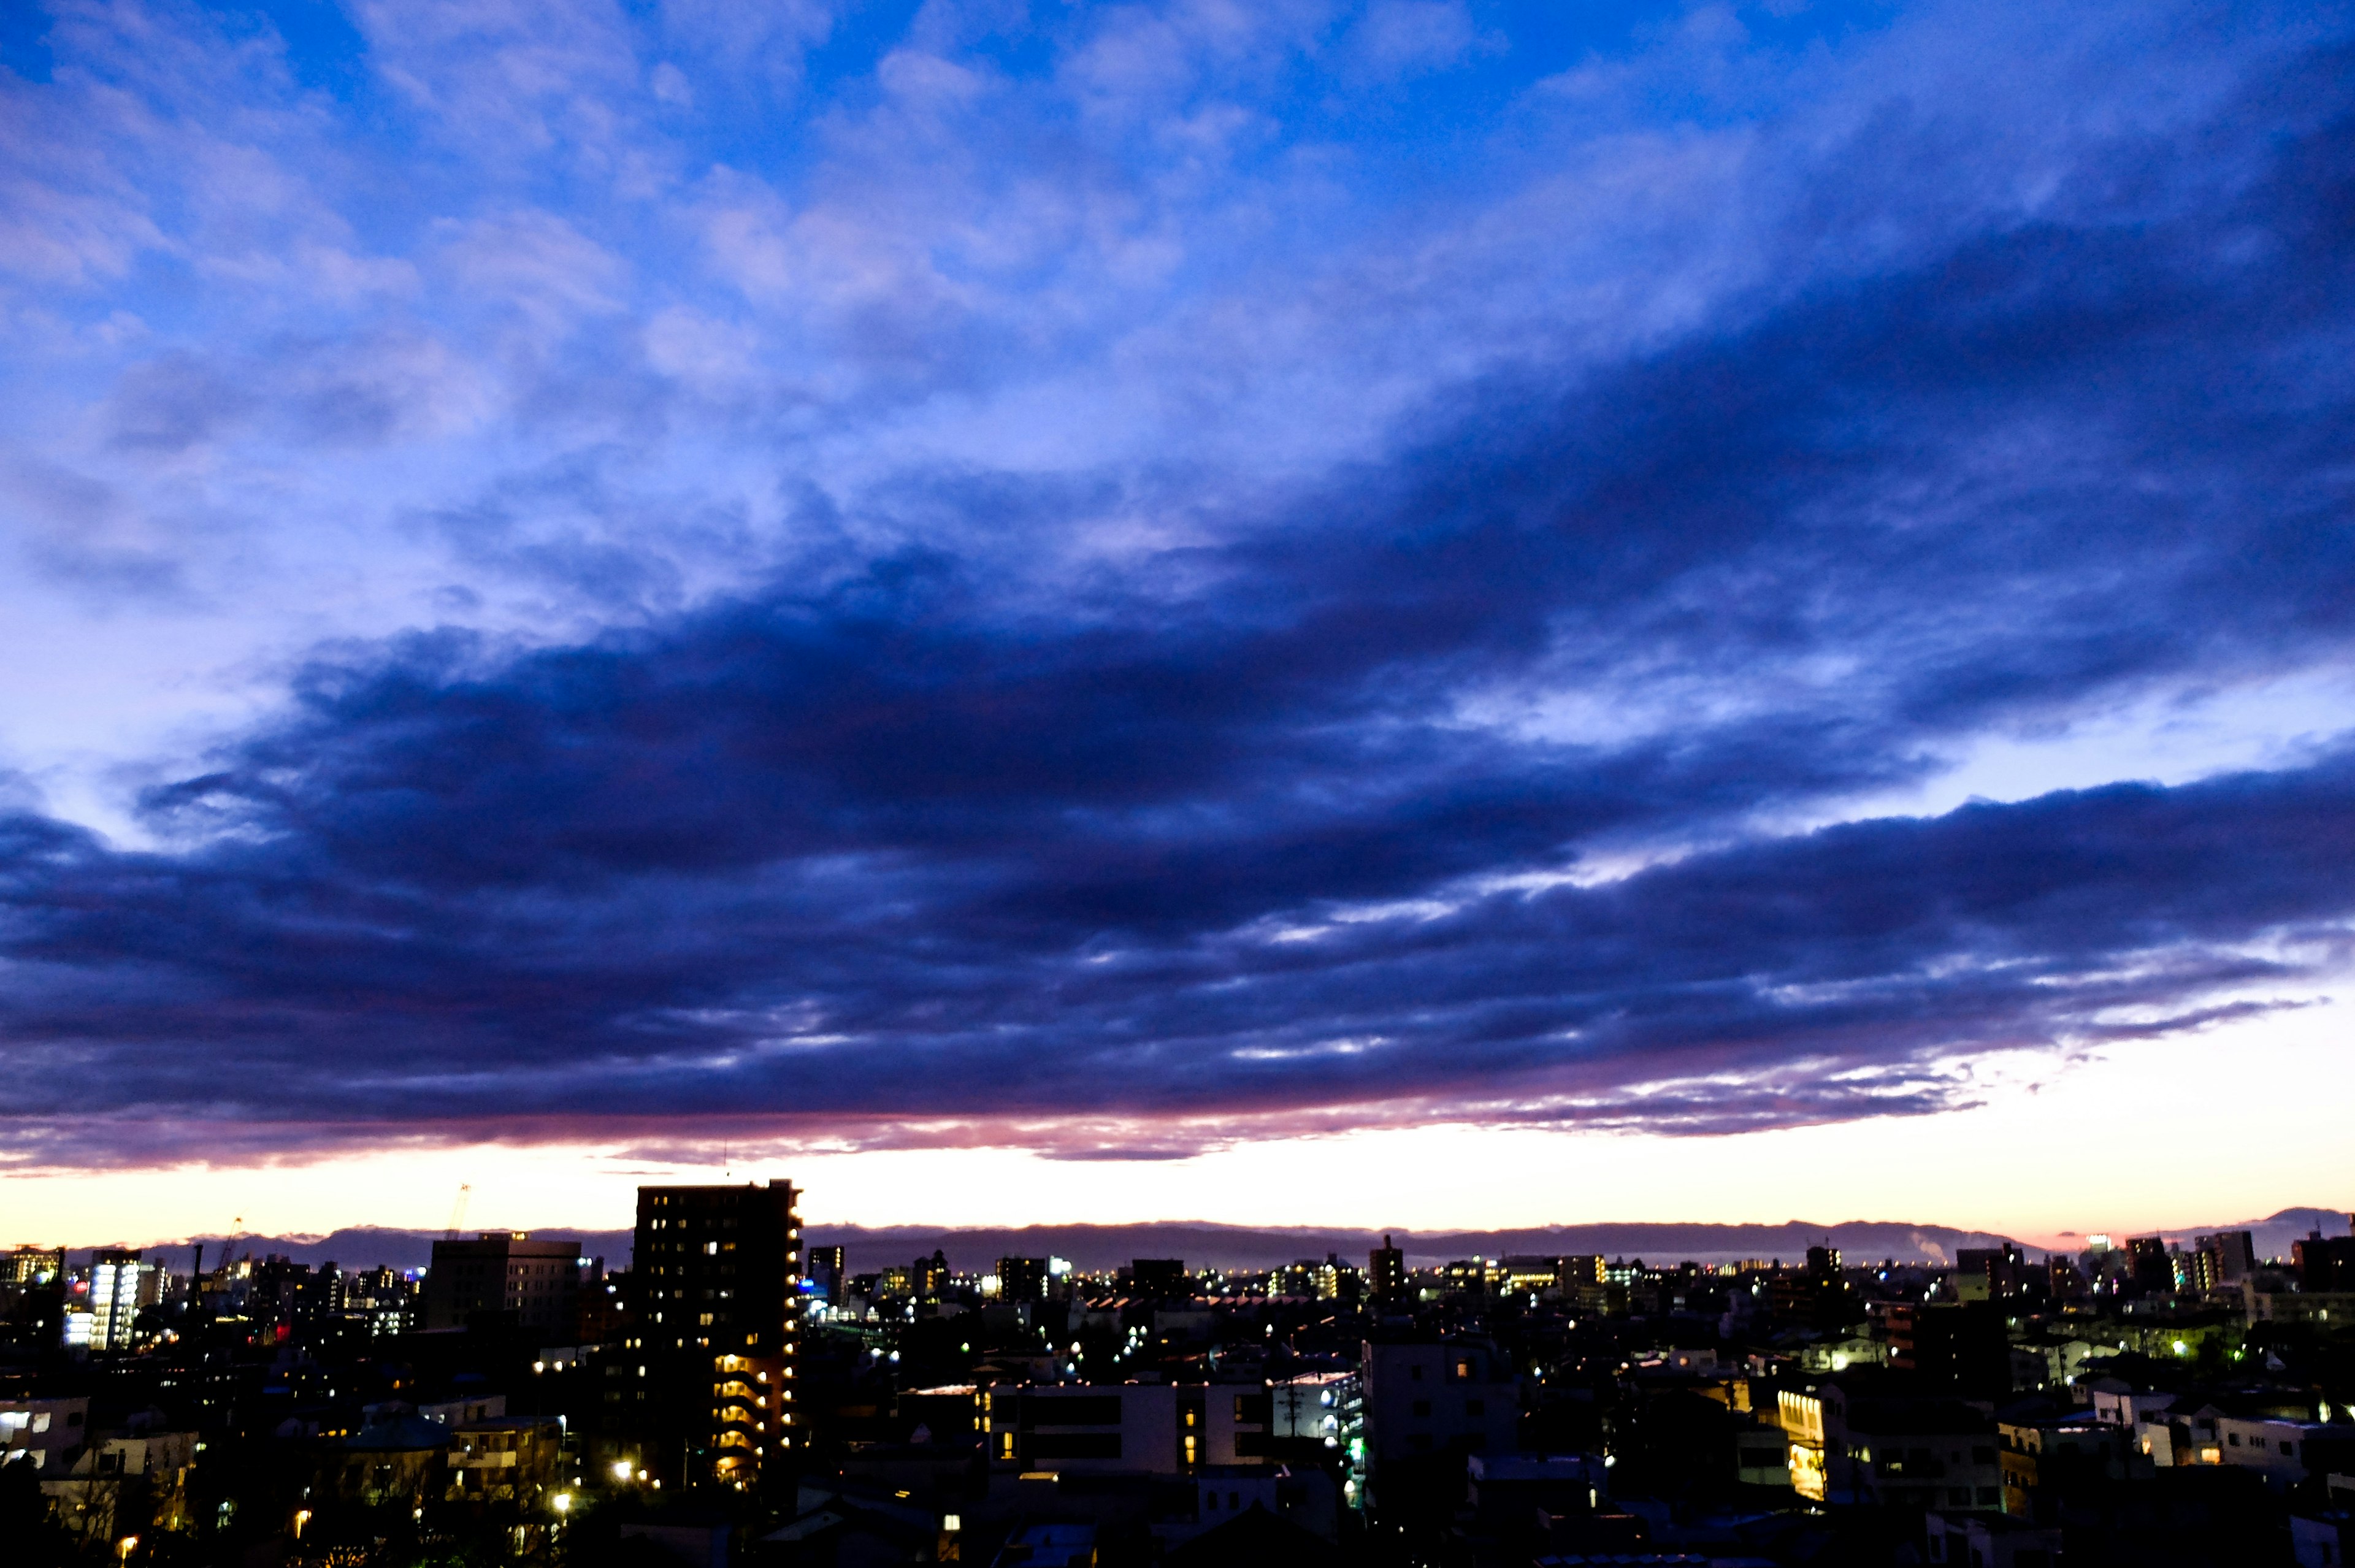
[
  {"x": 2325, "y": 1263},
  {"x": 1960, "y": 1349},
  {"x": 1160, "y": 1278},
  {"x": 1998, "y": 1273},
  {"x": 1386, "y": 1272},
  {"x": 1022, "y": 1279},
  {"x": 824, "y": 1271},
  {"x": 2227, "y": 1257},
  {"x": 1816, "y": 1295},
  {"x": 718, "y": 1275},
  {"x": 505, "y": 1276},
  {"x": 1431, "y": 1403},
  {"x": 2152, "y": 1267}
]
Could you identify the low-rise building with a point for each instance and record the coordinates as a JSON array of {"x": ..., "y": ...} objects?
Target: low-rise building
[
  {"x": 2050, "y": 1447},
  {"x": 515, "y": 1459},
  {"x": 1438, "y": 1396},
  {"x": 1900, "y": 1452},
  {"x": 42, "y": 1430},
  {"x": 505, "y": 1273},
  {"x": 1158, "y": 1428}
]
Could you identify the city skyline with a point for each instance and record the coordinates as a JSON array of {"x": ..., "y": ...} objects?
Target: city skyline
[{"x": 1425, "y": 613}]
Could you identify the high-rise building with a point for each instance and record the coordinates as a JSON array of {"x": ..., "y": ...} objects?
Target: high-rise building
[
  {"x": 1337, "y": 1281},
  {"x": 32, "y": 1266},
  {"x": 1958, "y": 1349},
  {"x": 717, "y": 1272},
  {"x": 2225, "y": 1258},
  {"x": 1386, "y": 1272},
  {"x": 2153, "y": 1268},
  {"x": 120, "y": 1285},
  {"x": 824, "y": 1271},
  {"x": 1022, "y": 1279},
  {"x": 505, "y": 1273}
]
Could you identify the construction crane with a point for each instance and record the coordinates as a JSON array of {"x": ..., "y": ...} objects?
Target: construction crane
[{"x": 458, "y": 1211}]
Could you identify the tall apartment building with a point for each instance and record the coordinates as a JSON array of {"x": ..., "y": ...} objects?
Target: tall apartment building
[
  {"x": 1386, "y": 1272},
  {"x": 718, "y": 1272},
  {"x": 120, "y": 1285},
  {"x": 2227, "y": 1257},
  {"x": 32, "y": 1266},
  {"x": 505, "y": 1272},
  {"x": 1022, "y": 1279}
]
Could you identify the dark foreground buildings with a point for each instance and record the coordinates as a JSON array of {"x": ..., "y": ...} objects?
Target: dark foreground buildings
[{"x": 729, "y": 1403}]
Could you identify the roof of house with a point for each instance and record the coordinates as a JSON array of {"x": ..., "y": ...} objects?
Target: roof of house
[{"x": 401, "y": 1434}]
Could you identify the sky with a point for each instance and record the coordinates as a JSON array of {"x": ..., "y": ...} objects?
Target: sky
[{"x": 1413, "y": 612}]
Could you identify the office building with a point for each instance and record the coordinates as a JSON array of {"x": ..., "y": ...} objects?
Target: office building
[
  {"x": 719, "y": 1278},
  {"x": 504, "y": 1277}
]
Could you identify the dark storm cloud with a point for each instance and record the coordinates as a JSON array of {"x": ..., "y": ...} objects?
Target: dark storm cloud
[{"x": 1226, "y": 834}]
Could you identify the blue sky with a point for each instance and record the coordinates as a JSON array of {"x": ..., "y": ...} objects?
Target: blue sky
[{"x": 1115, "y": 585}]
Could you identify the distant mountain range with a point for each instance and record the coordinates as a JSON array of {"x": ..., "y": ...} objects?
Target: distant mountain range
[{"x": 1240, "y": 1247}]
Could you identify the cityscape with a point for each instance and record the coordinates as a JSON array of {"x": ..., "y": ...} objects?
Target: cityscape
[
  {"x": 733, "y": 1391},
  {"x": 1177, "y": 784}
]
